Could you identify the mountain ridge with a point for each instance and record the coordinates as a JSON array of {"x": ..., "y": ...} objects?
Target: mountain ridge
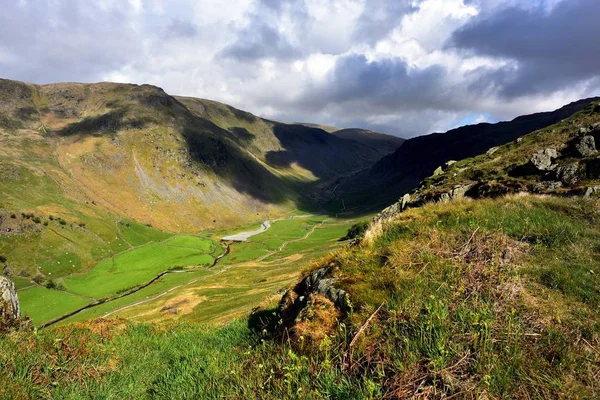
[{"x": 417, "y": 158}]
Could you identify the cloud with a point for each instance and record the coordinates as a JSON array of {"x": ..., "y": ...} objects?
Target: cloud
[
  {"x": 404, "y": 67},
  {"x": 550, "y": 50},
  {"x": 181, "y": 28}
]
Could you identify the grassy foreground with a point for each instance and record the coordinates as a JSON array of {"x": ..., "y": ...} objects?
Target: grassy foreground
[{"x": 489, "y": 299}]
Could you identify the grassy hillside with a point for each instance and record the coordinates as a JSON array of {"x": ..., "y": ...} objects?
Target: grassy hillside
[
  {"x": 419, "y": 157},
  {"x": 98, "y": 180},
  {"x": 492, "y": 298}
]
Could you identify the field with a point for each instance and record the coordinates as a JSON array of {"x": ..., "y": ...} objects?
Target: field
[
  {"x": 251, "y": 273},
  {"x": 119, "y": 274}
]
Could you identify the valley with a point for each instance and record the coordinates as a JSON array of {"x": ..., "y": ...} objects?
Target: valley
[{"x": 173, "y": 247}]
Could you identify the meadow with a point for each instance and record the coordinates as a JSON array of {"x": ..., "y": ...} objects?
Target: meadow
[{"x": 252, "y": 272}]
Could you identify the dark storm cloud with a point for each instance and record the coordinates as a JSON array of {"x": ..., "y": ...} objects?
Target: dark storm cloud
[
  {"x": 260, "y": 41},
  {"x": 358, "y": 85},
  {"x": 387, "y": 82},
  {"x": 550, "y": 49}
]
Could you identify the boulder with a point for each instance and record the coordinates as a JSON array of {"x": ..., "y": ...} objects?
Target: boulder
[
  {"x": 542, "y": 160},
  {"x": 10, "y": 312},
  {"x": 569, "y": 174},
  {"x": 586, "y": 147},
  {"x": 404, "y": 202},
  {"x": 592, "y": 191},
  {"x": 592, "y": 169},
  {"x": 299, "y": 298},
  {"x": 438, "y": 171},
  {"x": 492, "y": 151},
  {"x": 459, "y": 191}
]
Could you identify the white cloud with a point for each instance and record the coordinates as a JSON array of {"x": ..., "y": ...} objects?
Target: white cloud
[{"x": 381, "y": 64}]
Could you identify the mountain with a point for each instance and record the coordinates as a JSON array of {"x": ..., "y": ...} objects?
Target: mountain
[
  {"x": 385, "y": 144},
  {"x": 418, "y": 157},
  {"x": 478, "y": 288},
  {"x": 179, "y": 163},
  {"x": 88, "y": 171}
]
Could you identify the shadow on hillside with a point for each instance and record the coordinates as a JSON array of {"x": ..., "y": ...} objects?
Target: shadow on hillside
[
  {"x": 242, "y": 134},
  {"x": 217, "y": 149},
  {"x": 110, "y": 122}
]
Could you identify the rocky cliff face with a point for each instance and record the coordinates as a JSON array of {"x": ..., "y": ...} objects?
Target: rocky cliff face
[{"x": 10, "y": 312}]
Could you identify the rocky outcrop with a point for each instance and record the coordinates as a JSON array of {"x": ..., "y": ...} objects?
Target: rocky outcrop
[
  {"x": 569, "y": 174},
  {"x": 294, "y": 301},
  {"x": 543, "y": 160},
  {"x": 10, "y": 312},
  {"x": 546, "y": 186},
  {"x": 586, "y": 147}
]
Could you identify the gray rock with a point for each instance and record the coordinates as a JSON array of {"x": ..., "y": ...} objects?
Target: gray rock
[
  {"x": 316, "y": 283},
  {"x": 592, "y": 191},
  {"x": 519, "y": 140},
  {"x": 492, "y": 151},
  {"x": 444, "y": 198},
  {"x": 460, "y": 191},
  {"x": 405, "y": 201},
  {"x": 586, "y": 146},
  {"x": 592, "y": 169},
  {"x": 584, "y": 130},
  {"x": 543, "y": 187},
  {"x": 569, "y": 174},
  {"x": 542, "y": 160},
  {"x": 450, "y": 163},
  {"x": 438, "y": 171},
  {"x": 10, "y": 312}
]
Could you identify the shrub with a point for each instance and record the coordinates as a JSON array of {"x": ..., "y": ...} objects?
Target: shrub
[
  {"x": 37, "y": 220},
  {"x": 62, "y": 222},
  {"x": 51, "y": 217},
  {"x": 45, "y": 223},
  {"x": 357, "y": 230},
  {"x": 13, "y": 216},
  {"x": 3, "y": 259},
  {"x": 50, "y": 284},
  {"x": 38, "y": 278}
]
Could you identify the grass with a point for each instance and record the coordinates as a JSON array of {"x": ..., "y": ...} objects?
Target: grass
[
  {"x": 464, "y": 308},
  {"x": 42, "y": 305},
  {"x": 134, "y": 267},
  {"x": 116, "y": 275}
]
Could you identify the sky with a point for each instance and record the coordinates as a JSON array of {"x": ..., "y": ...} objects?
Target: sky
[{"x": 403, "y": 67}]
